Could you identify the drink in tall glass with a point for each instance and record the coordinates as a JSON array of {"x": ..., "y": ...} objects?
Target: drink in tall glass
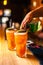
[
  {"x": 20, "y": 41},
  {"x": 10, "y": 38}
]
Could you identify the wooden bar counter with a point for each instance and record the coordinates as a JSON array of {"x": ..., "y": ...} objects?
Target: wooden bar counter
[{"x": 8, "y": 57}]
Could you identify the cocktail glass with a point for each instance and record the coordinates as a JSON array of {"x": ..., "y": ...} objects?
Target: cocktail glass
[
  {"x": 10, "y": 38},
  {"x": 20, "y": 41}
]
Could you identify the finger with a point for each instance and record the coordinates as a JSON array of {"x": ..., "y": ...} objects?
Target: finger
[
  {"x": 24, "y": 22},
  {"x": 26, "y": 19}
]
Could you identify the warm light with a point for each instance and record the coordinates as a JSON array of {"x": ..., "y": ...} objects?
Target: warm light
[
  {"x": 34, "y": 18},
  {"x": 7, "y": 12},
  {"x": 17, "y": 25},
  {"x": 5, "y": 2},
  {"x": 34, "y": 3},
  {"x": 41, "y": 18},
  {"x": 5, "y": 19},
  {"x": 1, "y": 12}
]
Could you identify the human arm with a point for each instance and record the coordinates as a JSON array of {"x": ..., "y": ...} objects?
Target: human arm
[{"x": 38, "y": 12}]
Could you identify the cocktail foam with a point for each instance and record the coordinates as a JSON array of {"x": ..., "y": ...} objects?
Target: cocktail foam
[
  {"x": 19, "y": 33},
  {"x": 10, "y": 31}
]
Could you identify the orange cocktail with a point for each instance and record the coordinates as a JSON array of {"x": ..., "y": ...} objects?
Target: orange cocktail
[
  {"x": 20, "y": 41},
  {"x": 10, "y": 38}
]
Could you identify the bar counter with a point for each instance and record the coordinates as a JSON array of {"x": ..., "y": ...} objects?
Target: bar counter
[{"x": 8, "y": 57}]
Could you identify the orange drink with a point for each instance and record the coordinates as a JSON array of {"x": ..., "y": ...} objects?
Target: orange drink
[
  {"x": 20, "y": 41},
  {"x": 10, "y": 38}
]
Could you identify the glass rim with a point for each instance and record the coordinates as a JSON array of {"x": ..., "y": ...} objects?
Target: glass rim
[
  {"x": 9, "y": 30},
  {"x": 20, "y": 33}
]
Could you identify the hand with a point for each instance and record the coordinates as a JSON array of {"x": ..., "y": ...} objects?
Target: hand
[{"x": 27, "y": 18}]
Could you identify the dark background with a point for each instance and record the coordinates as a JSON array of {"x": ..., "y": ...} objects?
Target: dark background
[{"x": 19, "y": 8}]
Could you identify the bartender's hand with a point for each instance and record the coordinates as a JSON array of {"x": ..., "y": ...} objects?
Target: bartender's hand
[
  {"x": 34, "y": 13},
  {"x": 26, "y": 19}
]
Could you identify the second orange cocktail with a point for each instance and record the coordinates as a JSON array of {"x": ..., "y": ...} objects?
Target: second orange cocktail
[{"x": 10, "y": 38}]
